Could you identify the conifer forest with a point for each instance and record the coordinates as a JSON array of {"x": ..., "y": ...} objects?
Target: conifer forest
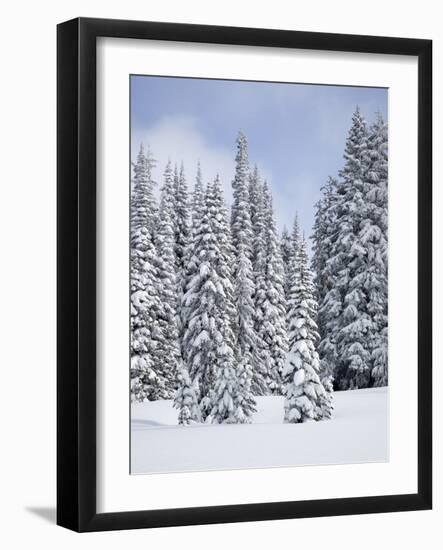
[{"x": 228, "y": 307}]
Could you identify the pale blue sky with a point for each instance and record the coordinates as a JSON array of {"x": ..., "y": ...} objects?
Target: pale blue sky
[{"x": 296, "y": 132}]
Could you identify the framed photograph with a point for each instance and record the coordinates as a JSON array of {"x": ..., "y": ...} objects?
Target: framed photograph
[{"x": 244, "y": 274}]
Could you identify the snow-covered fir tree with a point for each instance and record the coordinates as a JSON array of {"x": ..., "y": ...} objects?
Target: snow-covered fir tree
[
  {"x": 196, "y": 342},
  {"x": 242, "y": 240},
  {"x": 348, "y": 328},
  {"x": 198, "y": 197},
  {"x": 285, "y": 246},
  {"x": 324, "y": 231},
  {"x": 190, "y": 261},
  {"x": 255, "y": 201},
  {"x": 182, "y": 234},
  {"x": 209, "y": 338},
  {"x": 380, "y": 359},
  {"x": 325, "y": 408},
  {"x": 224, "y": 261},
  {"x": 242, "y": 374},
  {"x": 295, "y": 242},
  {"x": 224, "y": 406},
  {"x": 289, "y": 253},
  {"x": 146, "y": 382},
  {"x": 186, "y": 400},
  {"x": 355, "y": 324},
  {"x": 324, "y": 234},
  {"x": 270, "y": 303},
  {"x": 168, "y": 351},
  {"x": 259, "y": 384},
  {"x": 182, "y": 218},
  {"x": 350, "y": 261},
  {"x": 241, "y": 225},
  {"x": 143, "y": 203},
  {"x": 304, "y": 392},
  {"x": 374, "y": 236}
]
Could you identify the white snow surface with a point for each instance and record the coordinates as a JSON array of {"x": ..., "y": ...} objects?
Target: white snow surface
[{"x": 357, "y": 433}]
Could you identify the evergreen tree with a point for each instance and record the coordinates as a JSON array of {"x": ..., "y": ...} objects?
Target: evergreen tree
[
  {"x": 295, "y": 242},
  {"x": 146, "y": 383},
  {"x": 182, "y": 228},
  {"x": 242, "y": 239},
  {"x": 345, "y": 320},
  {"x": 168, "y": 352},
  {"x": 271, "y": 303},
  {"x": 260, "y": 371},
  {"x": 209, "y": 337},
  {"x": 285, "y": 246},
  {"x": 292, "y": 243},
  {"x": 355, "y": 324},
  {"x": 375, "y": 238},
  {"x": 380, "y": 359},
  {"x": 325, "y": 407},
  {"x": 186, "y": 401},
  {"x": 255, "y": 200},
  {"x": 325, "y": 231},
  {"x": 143, "y": 203},
  {"x": 241, "y": 225},
  {"x": 225, "y": 257},
  {"x": 182, "y": 235},
  {"x": 190, "y": 261},
  {"x": 224, "y": 409},
  {"x": 304, "y": 392},
  {"x": 241, "y": 377},
  {"x": 197, "y": 198}
]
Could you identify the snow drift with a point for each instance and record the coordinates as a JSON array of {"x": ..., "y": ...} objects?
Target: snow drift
[{"x": 357, "y": 433}]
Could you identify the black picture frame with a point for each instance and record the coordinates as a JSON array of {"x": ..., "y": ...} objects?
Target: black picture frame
[{"x": 76, "y": 274}]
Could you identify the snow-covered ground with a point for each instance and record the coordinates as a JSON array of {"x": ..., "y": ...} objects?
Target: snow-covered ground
[{"x": 357, "y": 433}]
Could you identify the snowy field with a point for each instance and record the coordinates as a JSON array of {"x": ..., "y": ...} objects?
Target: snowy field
[{"x": 357, "y": 433}]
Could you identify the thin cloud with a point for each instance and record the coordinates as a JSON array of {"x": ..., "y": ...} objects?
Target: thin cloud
[
  {"x": 296, "y": 134},
  {"x": 178, "y": 139}
]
